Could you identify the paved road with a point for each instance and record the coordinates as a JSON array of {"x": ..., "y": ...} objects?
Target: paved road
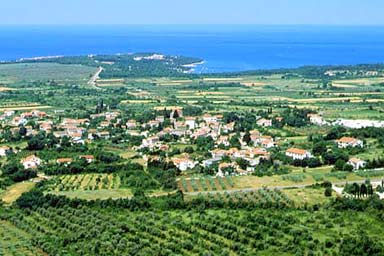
[
  {"x": 92, "y": 81},
  {"x": 273, "y": 187}
]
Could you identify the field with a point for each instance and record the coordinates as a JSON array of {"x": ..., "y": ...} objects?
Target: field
[
  {"x": 44, "y": 71},
  {"x": 205, "y": 184},
  {"x": 13, "y": 192}
]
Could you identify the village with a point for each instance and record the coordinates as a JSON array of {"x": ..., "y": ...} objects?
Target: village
[{"x": 230, "y": 152}]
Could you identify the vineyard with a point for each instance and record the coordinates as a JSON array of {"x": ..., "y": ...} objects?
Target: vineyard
[
  {"x": 96, "y": 231},
  {"x": 206, "y": 184},
  {"x": 85, "y": 182}
]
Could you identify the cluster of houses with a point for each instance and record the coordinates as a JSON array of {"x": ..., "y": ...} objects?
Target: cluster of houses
[
  {"x": 344, "y": 142},
  {"x": 186, "y": 129}
]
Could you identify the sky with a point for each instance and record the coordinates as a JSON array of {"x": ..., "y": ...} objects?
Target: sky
[{"x": 274, "y": 12}]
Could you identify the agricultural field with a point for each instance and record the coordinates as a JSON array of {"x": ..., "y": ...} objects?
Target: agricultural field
[
  {"x": 86, "y": 182},
  {"x": 206, "y": 184},
  {"x": 228, "y": 232},
  {"x": 45, "y": 71},
  {"x": 15, "y": 191}
]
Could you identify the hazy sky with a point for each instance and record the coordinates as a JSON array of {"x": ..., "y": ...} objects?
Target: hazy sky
[{"x": 350, "y": 12}]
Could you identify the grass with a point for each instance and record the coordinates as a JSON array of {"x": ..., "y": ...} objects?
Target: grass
[
  {"x": 96, "y": 194},
  {"x": 310, "y": 196},
  {"x": 14, "y": 192}
]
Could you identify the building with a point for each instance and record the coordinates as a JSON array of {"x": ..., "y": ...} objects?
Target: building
[
  {"x": 4, "y": 150},
  {"x": 316, "y": 119},
  {"x": 64, "y": 161},
  {"x": 183, "y": 163},
  {"x": 150, "y": 142},
  {"x": 209, "y": 118},
  {"x": 88, "y": 158},
  {"x": 31, "y": 162},
  {"x": 190, "y": 122},
  {"x": 264, "y": 122},
  {"x": 346, "y": 142},
  {"x": 298, "y": 154},
  {"x": 131, "y": 124},
  {"x": 356, "y": 163}
]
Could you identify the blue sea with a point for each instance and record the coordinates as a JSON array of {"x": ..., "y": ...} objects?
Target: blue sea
[{"x": 224, "y": 48}]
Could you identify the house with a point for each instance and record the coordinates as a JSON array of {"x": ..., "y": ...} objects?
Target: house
[
  {"x": 104, "y": 124},
  {"x": 160, "y": 119},
  {"x": 297, "y": 153},
  {"x": 64, "y": 161},
  {"x": 190, "y": 122},
  {"x": 131, "y": 124},
  {"x": 4, "y": 150},
  {"x": 88, "y": 158},
  {"x": 31, "y": 162},
  {"x": 209, "y": 162},
  {"x": 356, "y": 163},
  {"x": 346, "y": 142},
  {"x": 267, "y": 143},
  {"x": 209, "y": 118},
  {"x": 103, "y": 134},
  {"x": 202, "y": 132},
  {"x": 264, "y": 122},
  {"x": 224, "y": 168},
  {"x": 229, "y": 127},
  {"x": 183, "y": 163},
  {"x": 17, "y": 120},
  {"x": 179, "y": 125},
  {"x": 150, "y": 142},
  {"x": 218, "y": 153},
  {"x": 176, "y": 112},
  {"x": 279, "y": 118},
  {"x": 224, "y": 140},
  {"x": 315, "y": 119},
  {"x": 60, "y": 134}
]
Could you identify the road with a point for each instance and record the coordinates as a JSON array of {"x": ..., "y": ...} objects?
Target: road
[
  {"x": 92, "y": 81},
  {"x": 272, "y": 187}
]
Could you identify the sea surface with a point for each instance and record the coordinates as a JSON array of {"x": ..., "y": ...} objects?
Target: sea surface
[{"x": 224, "y": 48}]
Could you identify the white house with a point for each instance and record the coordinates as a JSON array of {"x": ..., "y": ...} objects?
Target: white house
[
  {"x": 4, "y": 150},
  {"x": 183, "y": 163},
  {"x": 190, "y": 122},
  {"x": 297, "y": 153},
  {"x": 31, "y": 162},
  {"x": 345, "y": 142},
  {"x": 357, "y": 163},
  {"x": 264, "y": 122},
  {"x": 316, "y": 119}
]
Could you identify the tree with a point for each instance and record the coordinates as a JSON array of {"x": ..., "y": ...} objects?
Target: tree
[
  {"x": 319, "y": 148},
  {"x": 189, "y": 150},
  {"x": 247, "y": 137},
  {"x": 339, "y": 165},
  {"x": 328, "y": 191},
  {"x": 22, "y": 131}
]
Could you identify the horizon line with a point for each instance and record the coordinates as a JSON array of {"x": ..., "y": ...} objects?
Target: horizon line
[{"x": 192, "y": 24}]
